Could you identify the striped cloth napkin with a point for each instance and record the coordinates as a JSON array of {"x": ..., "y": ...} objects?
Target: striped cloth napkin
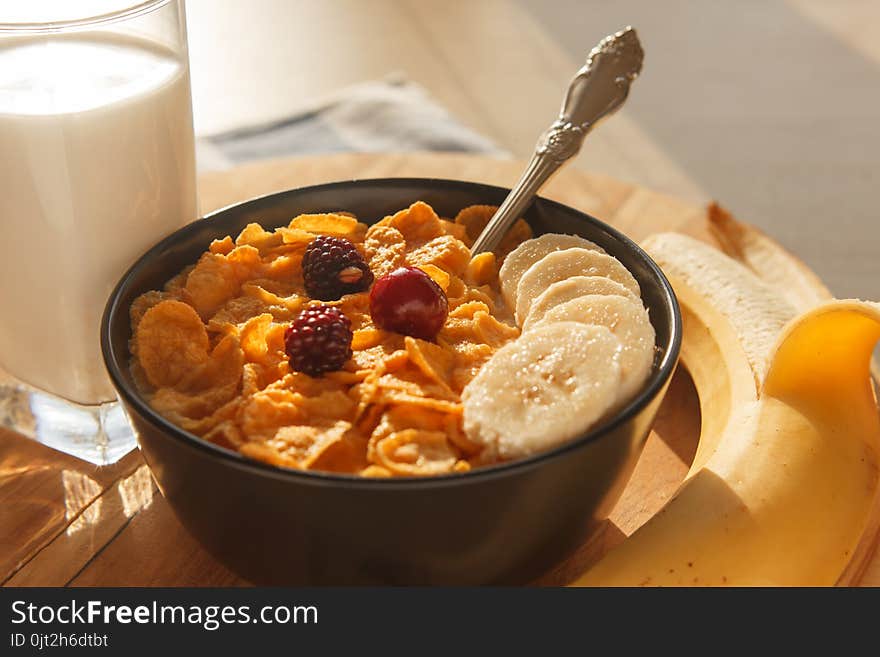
[{"x": 392, "y": 115}]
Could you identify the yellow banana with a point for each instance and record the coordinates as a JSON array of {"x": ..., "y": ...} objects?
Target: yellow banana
[{"x": 786, "y": 472}]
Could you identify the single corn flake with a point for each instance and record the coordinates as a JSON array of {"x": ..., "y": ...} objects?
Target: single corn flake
[
  {"x": 482, "y": 269},
  {"x": 254, "y": 337},
  {"x": 226, "y": 434},
  {"x": 416, "y": 453},
  {"x": 492, "y": 332},
  {"x": 222, "y": 369},
  {"x": 431, "y": 403},
  {"x": 384, "y": 249},
  {"x": 222, "y": 247},
  {"x": 236, "y": 311},
  {"x": 217, "y": 278},
  {"x": 445, "y": 252},
  {"x": 143, "y": 303},
  {"x": 171, "y": 342},
  {"x": 376, "y": 471},
  {"x": 431, "y": 359},
  {"x": 474, "y": 219},
  {"x": 256, "y": 236},
  {"x": 293, "y": 239},
  {"x": 418, "y": 224},
  {"x": 458, "y": 231},
  {"x": 366, "y": 338},
  {"x": 516, "y": 235},
  {"x": 304, "y": 444},
  {"x": 328, "y": 224},
  {"x": 437, "y": 275}
]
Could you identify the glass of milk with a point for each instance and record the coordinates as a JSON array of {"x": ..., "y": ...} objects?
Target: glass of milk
[{"x": 97, "y": 163}]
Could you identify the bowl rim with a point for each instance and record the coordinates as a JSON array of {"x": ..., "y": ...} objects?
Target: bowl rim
[{"x": 132, "y": 397}]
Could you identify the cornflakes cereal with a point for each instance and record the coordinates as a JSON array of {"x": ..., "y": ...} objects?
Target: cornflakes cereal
[{"x": 209, "y": 350}]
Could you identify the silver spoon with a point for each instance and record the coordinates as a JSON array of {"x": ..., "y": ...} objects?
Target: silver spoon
[{"x": 598, "y": 89}]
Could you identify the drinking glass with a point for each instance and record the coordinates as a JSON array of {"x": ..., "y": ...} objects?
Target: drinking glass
[{"x": 98, "y": 163}]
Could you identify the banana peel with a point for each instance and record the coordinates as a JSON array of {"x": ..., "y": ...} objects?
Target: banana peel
[
  {"x": 784, "y": 482},
  {"x": 766, "y": 259}
]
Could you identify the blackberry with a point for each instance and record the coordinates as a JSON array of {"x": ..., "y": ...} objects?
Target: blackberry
[
  {"x": 318, "y": 340},
  {"x": 333, "y": 267}
]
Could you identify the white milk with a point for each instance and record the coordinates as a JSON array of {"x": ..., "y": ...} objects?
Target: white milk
[{"x": 96, "y": 164}]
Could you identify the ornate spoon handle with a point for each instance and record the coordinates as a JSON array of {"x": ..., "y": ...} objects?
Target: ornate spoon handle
[{"x": 598, "y": 89}]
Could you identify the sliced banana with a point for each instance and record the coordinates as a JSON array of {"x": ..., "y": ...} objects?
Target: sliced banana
[
  {"x": 561, "y": 265},
  {"x": 572, "y": 288},
  {"x": 627, "y": 320},
  {"x": 548, "y": 386},
  {"x": 528, "y": 253}
]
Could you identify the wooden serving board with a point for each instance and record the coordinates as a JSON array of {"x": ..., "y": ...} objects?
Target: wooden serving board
[{"x": 67, "y": 522}]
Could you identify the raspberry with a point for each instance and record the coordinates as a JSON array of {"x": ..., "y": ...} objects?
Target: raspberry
[
  {"x": 333, "y": 267},
  {"x": 318, "y": 340},
  {"x": 408, "y": 301}
]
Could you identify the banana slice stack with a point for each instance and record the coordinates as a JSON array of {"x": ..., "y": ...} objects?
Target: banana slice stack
[{"x": 587, "y": 346}]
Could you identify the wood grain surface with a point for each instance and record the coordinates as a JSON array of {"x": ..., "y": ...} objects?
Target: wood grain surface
[{"x": 67, "y": 522}]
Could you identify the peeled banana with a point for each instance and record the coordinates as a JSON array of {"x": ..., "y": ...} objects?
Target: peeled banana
[{"x": 786, "y": 472}]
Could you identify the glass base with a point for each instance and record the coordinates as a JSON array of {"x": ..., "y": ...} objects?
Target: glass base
[{"x": 98, "y": 434}]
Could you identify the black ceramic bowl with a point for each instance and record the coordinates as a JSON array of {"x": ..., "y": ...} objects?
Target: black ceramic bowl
[{"x": 503, "y": 524}]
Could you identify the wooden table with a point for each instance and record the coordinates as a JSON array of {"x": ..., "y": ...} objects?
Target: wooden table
[{"x": 67, "y": 522}]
